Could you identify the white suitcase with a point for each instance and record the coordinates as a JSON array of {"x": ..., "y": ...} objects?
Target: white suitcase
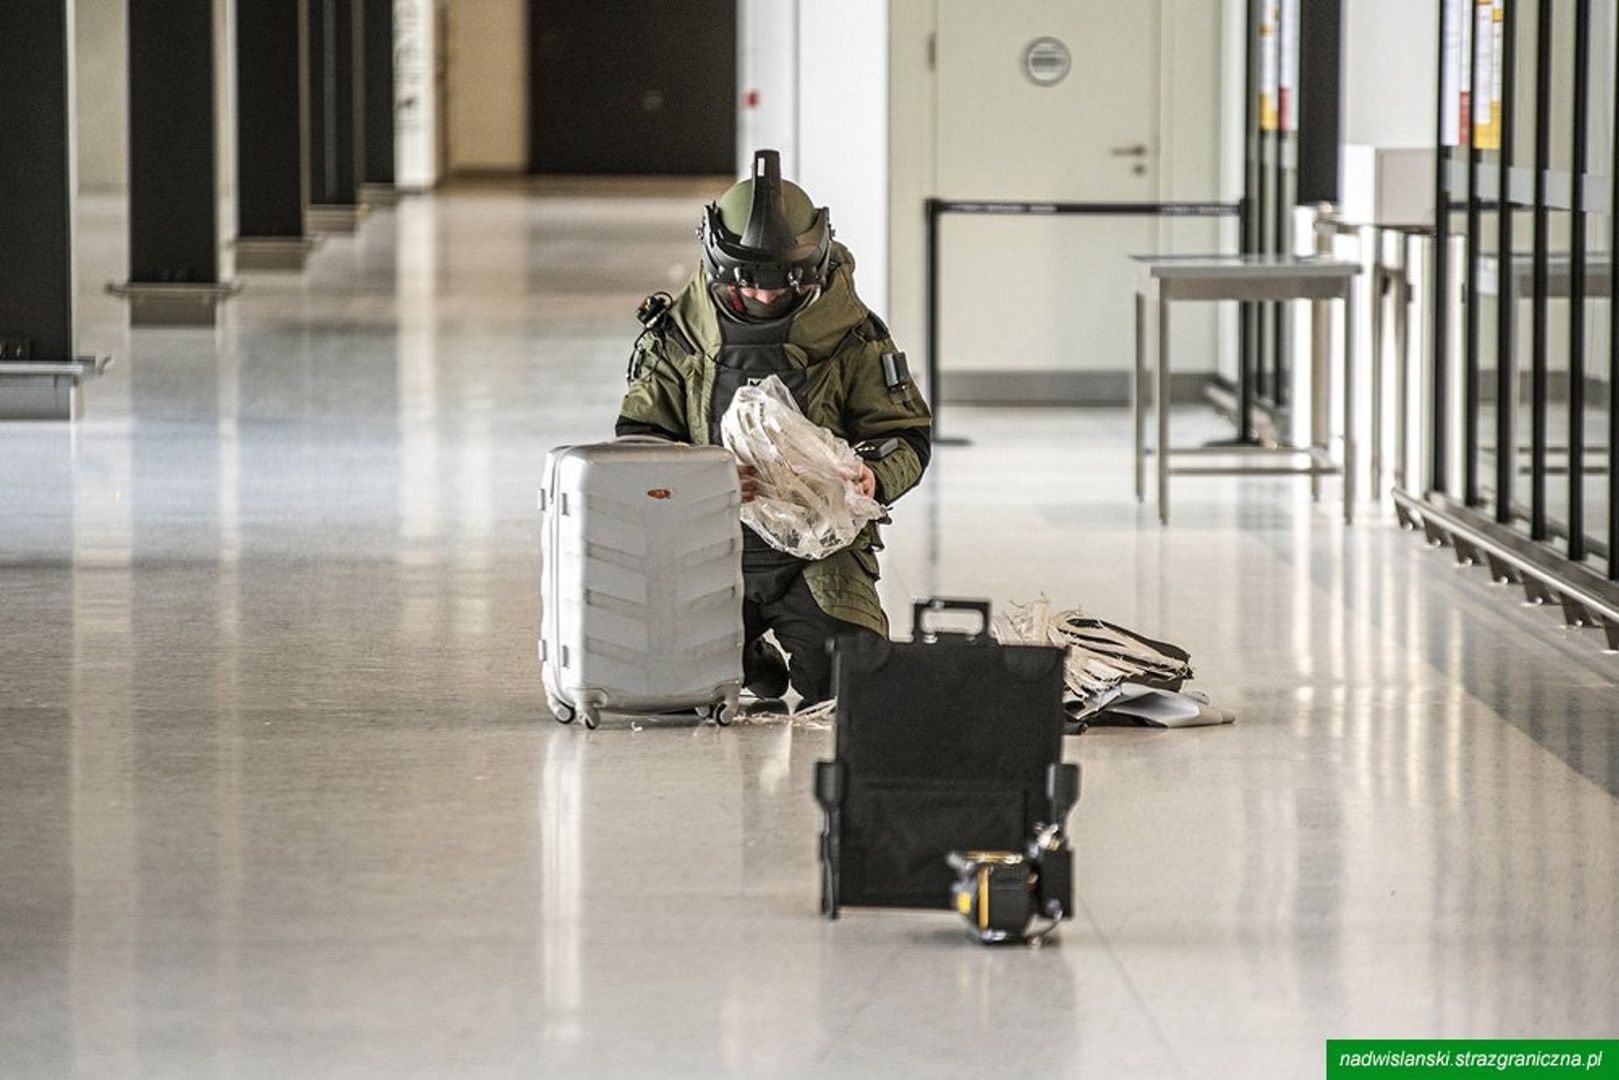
[{"x": 641, "y": 580}]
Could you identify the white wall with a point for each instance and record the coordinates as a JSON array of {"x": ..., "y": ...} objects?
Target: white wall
[
  {"x": 820, "y": 73},
  {"x": 1389, "y": 57},
  {"x": 912, "y": 169},
  {"x": 1202, "y": 160},
  {"x": 101, "y": 83},
  {"x": 767, "y": 82},
  {"x": 1232, "y": 153},
  {"x": 843, "y": 149},
  {"x": 1195, "y": 163}
]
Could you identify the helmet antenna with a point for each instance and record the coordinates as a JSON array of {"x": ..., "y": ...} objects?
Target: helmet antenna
[{"x": 768, "y": 227}]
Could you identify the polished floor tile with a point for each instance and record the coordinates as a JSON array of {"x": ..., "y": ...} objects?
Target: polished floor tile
[{"x": 279, "y": 795}]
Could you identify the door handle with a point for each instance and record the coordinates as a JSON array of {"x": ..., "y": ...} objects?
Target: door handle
[{"x": 1138, "y": 150}]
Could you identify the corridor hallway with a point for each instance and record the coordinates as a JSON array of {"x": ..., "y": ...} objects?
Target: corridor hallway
[{"x": 279, "y": 794}]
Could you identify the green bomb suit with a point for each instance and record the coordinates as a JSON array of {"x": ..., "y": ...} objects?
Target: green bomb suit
[{"x": 829, "y": 351}]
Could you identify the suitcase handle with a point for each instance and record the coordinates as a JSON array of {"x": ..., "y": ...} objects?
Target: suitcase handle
[
  {"x": 920, "y": 609},
  {"x": 655, "y": 439}
]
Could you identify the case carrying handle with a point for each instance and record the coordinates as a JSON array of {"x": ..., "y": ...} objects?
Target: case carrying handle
[{"x": 920, "y": 609}]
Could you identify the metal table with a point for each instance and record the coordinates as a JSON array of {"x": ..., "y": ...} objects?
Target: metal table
[
  {"x": 46, "y": 389},
  {"x": 1164, "y": 279}
]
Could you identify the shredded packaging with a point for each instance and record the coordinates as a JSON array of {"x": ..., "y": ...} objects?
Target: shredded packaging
[
  {"x": 815, "y": 718},
  {"x": 810, "y": 503},
  {"x": 1101, "y": 658}
]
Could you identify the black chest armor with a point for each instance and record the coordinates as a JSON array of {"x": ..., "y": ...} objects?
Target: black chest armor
[{"x": 749, "y": 353}]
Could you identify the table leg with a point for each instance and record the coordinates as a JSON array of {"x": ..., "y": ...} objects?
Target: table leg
[
  {"x": 1380, "y": 284},
  {"x": 1402, "y": 364},
  {"x": 1138, "y": 403},
  {"x": 1507, "y": 293},
  {"x": 1349, "y": 404},
  {"x": 1320, "y": 392},
  {"x": 1161, "y": 388}
]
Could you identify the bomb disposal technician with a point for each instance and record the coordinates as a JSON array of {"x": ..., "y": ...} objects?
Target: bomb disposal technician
[{"x": 775, "y": 295}]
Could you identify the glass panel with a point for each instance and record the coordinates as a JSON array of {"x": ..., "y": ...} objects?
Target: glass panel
[
  {"x": 1288, "y": 183},
  {"x": 1561, "y": 120},
  {"x": 1597, "y": 418},
  {"x": 1557, "y": 374},
  {"x": 1488, "y": 366},
  {"x": 1270, "y": 241},
  {"x": 1453, "y": 384},
  {"x": 1525, "y": 24},
  {"x": 1599, "y": 234}
]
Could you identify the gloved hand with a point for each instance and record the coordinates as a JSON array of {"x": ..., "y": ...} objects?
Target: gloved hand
[
  {"x": 866, "y": 479},
  {"x": 747, "y": 478}
]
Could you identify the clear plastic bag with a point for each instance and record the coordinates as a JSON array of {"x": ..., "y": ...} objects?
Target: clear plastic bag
[{"x": 809, "y": 504}]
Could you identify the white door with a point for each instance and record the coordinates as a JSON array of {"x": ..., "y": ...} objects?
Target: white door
[{"x": 1044, "y": 100}]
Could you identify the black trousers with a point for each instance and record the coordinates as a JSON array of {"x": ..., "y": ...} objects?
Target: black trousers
[{"x": 804, "y": 631}]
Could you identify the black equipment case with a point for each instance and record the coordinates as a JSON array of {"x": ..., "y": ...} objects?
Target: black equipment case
[{"x": 949, "y": 742}]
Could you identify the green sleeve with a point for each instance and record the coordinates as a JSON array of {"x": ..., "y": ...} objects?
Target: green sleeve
[
  {"x": 873, "y": 410},
  {"x": 657, "y": 390}
]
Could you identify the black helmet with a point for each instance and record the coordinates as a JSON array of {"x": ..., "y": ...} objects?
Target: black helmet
[{"x": 784, "y": 242}]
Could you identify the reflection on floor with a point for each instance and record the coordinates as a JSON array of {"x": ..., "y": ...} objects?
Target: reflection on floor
[{"x": 278, "y": 795}]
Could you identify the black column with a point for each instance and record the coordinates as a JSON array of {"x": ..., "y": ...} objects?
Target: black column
[
  {"x": 270, "y": 135},
  {"x": 39, "y": 375},
  {"x": 335, "y": 106},
  {"x": 1320, "y": 37},
  {"x": 378, "y": 57},
  {"x": 173, "y": 176},
  {"x": 1439, "y": 276},
  {"x": 36, "y": 198},
  {"x": 172, "y": 170}
]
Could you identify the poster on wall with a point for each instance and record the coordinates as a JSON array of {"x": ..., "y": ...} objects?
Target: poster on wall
[
  {"x": 1482, "y": 76},
  {"x": 415, "y": 133},
  {"x": 1482, "y": 85},
  {"x": 1288, "y": 67},
  {"x": 1454, "y": 75},
  {"x": 1464, "y": 132},
  {"x": 1269, "y": 66}
]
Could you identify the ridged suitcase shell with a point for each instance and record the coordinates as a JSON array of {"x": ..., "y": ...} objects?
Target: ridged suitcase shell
[{"x": 641, "y": 578}]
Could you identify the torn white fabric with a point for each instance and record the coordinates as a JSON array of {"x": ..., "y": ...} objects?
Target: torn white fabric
[
  {"x": 1101, "y": 659},
  {"x": 810, "y": 503}
]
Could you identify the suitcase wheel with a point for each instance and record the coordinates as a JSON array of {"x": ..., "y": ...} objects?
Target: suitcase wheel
[
  {"x": 592, "y": 716},
  {"x": 723, "y": 712},
  {"x": 560, "y": 709}
]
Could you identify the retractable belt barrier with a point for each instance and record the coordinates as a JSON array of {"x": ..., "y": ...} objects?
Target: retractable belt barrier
[{"x": 937, "y": 208}]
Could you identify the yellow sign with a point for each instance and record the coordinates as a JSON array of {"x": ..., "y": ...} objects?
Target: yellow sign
[
  {"x": 1270, "y": 63},
  {"x": 1487, "y": 73}
]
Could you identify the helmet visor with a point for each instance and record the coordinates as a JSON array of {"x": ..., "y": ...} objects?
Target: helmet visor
[{"x": 802, "y": 262}]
